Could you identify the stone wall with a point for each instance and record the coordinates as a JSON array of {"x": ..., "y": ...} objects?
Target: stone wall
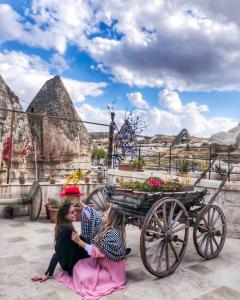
[
  {"x": 228, "y": 199},
  {"x": 48, "y": 190}
]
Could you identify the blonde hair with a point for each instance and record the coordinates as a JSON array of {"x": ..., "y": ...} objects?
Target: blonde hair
[{"x": 116, "y": 220}]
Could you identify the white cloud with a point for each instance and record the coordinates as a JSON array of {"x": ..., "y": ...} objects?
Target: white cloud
[
  {"x": 168, "y": 120},
  {"x": 26, "y": 74},
  {"x": 181, "y": 45},
  {"x": 171, "y": 100},
  {"x": 137, "y": 100}
]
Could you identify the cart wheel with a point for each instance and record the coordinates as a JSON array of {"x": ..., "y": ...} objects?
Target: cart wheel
[
  {"x": 35, "y": 194},
  {"x": 210, "y": 231},
  {"x": 98, "y": 199},
  {"x": 164, "y": 237}
]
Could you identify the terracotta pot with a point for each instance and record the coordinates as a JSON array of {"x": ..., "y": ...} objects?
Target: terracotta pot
[
  {"x": 22, "y": 178},
  {"x": 87, "y": 179},
  {"x": 130, "y": 168},
  {"x": 78, "y": 214},
  {"x": 52, "y": 179},
  {"x": 1, "y": 179},
  {"x": 52, "y": 214},
  {"x": 47, "y": 211}
]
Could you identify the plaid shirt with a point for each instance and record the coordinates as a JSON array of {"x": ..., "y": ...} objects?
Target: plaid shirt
[{"x": 112, "y": 244}]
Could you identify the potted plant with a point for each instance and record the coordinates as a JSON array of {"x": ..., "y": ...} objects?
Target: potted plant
[
  {"x": 135, "y": 166},
  {"x": 53, "y": 206},
  {"x": 2, "y": 176},
  {"x": 204, "y": 167},
  {"x": 87, "y": 177},
  {"x": 52, "y": 175},
  {"x": 183, "y": 168},
  {"x": 22, "y": 176},
  {"x": 74, "y": 177},
  {"x": 219, "y": 171}
]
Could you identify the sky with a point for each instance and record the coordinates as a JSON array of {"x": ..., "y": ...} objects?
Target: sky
[{"x": 176, "y": 63}]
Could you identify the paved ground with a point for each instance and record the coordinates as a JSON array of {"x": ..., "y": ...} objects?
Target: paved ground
[{"x": 26, "y": 247}]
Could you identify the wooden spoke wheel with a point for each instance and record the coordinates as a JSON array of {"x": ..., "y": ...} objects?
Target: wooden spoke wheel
[
  {"x": 98, "y": 199},
  {"x": 164, "y": 237},
  {"x": 35, "y": 195},
  {"x": 210, "y": 231}
]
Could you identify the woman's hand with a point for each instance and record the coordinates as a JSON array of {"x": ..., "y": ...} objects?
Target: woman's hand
[
  {"x": 40, "y": 278},
  {"x": 77, "y": 240},
  {"x": 75, "y": 237}
]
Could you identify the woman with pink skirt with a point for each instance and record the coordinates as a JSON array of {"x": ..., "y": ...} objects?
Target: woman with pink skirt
[{"x": 104, "y": 271}]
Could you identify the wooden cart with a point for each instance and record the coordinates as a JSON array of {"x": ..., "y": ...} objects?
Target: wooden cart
[{"x": 164, "y": 219}]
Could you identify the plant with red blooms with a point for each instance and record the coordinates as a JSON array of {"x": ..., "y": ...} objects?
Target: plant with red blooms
[{"x": 156, "y": 183}]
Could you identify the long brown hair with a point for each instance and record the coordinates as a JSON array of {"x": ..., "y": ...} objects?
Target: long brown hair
[
  {"x": 116, "y": 220},
  {"x": 61, "y": 219}
]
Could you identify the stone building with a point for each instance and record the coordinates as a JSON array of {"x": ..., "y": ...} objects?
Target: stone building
[{"x": 60, "y": 144}]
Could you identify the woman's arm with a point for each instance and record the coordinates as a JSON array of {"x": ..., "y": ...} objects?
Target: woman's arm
[
  {"x": 52, "y": 265},
  {"x": 92, "y": 250}
]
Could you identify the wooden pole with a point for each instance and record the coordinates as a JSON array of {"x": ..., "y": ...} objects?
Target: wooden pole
[{"x": 11, "y": 148}]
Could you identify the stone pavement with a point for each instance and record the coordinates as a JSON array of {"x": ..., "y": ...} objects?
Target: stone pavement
[{"x": 26, "y": 247}]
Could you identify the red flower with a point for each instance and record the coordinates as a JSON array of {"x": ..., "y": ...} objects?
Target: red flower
[{"x": 156, "y": 183}]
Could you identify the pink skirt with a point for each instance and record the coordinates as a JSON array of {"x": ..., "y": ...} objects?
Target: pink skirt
[{"x": 95, "y": 277}]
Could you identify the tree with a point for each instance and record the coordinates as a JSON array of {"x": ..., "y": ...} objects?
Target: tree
[{"x": 98, "y": 154}]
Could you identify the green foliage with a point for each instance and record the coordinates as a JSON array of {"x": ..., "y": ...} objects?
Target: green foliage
[
  {"x": 98, "y": 153},
  {"x": 147, "y": 186},
  {"x": 219, "y": 170},
  {"x": 183, "y": 167},
  {"x": 54, "y": 203},
  {"x": 138, "y": 162},
  {"x": 74, "y": 177}
]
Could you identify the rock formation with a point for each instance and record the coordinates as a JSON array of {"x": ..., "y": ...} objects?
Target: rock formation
[
  {"x": 58, "y": 141},
  {"x": 21, "y": 130},
  {"x": 229, "y": 138},
  {"x": 182, "y": 138}
]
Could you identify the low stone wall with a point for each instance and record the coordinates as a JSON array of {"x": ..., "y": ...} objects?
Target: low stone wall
[
  {"x": 228, "y": 199},
  {"x": 48, "y": 190}
]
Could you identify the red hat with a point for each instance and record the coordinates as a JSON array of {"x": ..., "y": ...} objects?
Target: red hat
[{"x": 71, "y": 191}]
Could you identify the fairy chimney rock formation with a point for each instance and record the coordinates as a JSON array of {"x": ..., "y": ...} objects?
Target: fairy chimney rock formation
[
  {"x": 229, "y": 138},
  {"x": 58, "y": 140},
  {"x": 21, "y": 130}
]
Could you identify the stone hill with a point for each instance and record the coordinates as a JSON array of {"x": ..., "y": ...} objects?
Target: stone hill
[
  {"x": 21, "y": 130},
  {"x": 229, "y": 138},
  {"x": 58, "y": 140}
]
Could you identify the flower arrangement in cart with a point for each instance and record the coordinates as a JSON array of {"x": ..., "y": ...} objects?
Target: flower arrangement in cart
[{"x": 152, "y": 185}]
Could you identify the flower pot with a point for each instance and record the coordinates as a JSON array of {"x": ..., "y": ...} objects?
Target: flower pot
[
  {"x": 53, "y": 214},
  {"x": 130, "y": 168},
  {"x": 47, "y": 210},
  {"x": 2, "y": 177},
  {"x": 78, "y": 213},
  {"x": 87, "y": 179},
  {"x": 22, "y": 177},
  {"x": 52, "y": 179}
]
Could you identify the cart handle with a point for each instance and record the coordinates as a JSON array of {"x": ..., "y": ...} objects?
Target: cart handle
[{"x": 225, "y": 178}]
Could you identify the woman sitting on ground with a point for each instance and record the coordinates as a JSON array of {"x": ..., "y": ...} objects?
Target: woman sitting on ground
[
  {"x": 103, "y": 272},
  {"x": 67, "y": 253}
]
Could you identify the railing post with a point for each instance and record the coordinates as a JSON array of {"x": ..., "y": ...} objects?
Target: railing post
[
  {"x": 170, "y": 159},
  {"x": 111, "y": 137},
  {"x": 159, "y": 158},
  {"x": 210, "y": 161},
  {"x": 11, "y": 148}
]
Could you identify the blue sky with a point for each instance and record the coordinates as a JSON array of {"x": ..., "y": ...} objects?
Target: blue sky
[{"x": 176, "y": 64}]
